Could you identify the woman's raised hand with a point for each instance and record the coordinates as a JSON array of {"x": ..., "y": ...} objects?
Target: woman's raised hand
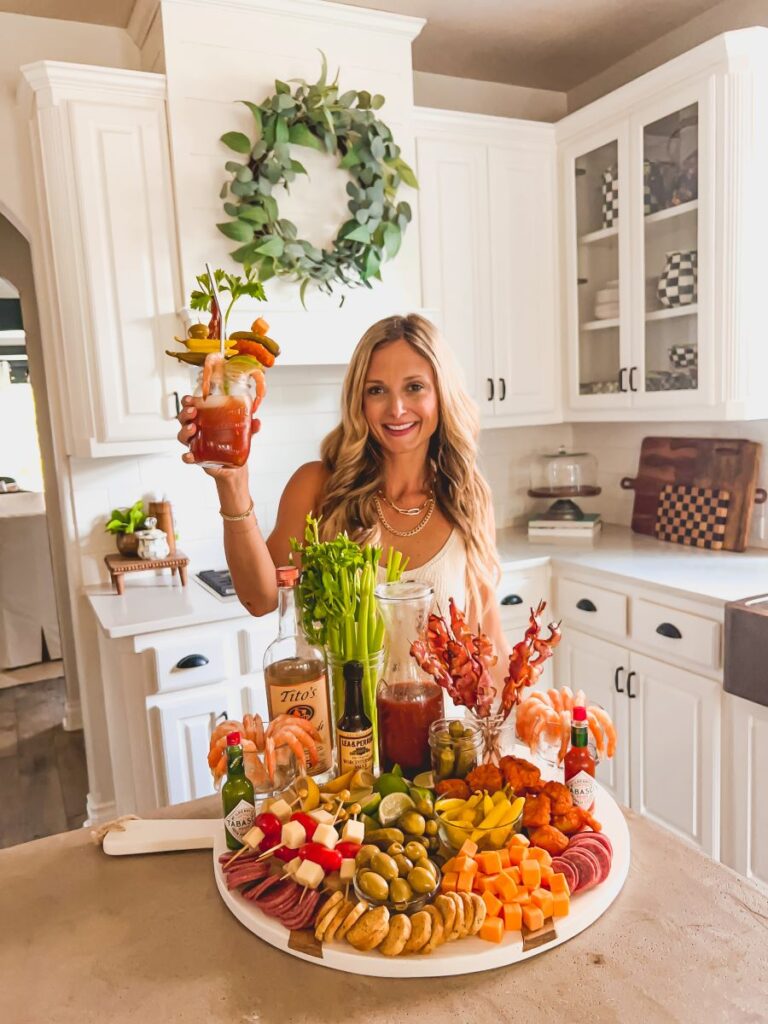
[{"x": 187, "y": 418}]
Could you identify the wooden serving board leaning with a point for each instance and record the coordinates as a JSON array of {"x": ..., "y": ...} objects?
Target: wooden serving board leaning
[{"x": 723, "y": 464}]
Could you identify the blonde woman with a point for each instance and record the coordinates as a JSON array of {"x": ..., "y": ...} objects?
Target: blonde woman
[{"x": 400, "y": 470}]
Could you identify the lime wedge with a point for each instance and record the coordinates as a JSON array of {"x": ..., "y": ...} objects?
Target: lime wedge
[
  {"x": 392, "y": 806},
  {"x": 373, "y": 804},
  {"x": 390, "y": 783},
  {"x": 425, "y": 780}
]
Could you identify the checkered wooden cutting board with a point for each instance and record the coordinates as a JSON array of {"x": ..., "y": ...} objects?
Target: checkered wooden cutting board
[{"x": 692, "y": 515}]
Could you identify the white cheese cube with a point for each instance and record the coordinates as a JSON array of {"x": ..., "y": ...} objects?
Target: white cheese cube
[
  {"x": 293, "y": 835},
  {"x": 292, "y": 866},
  {"x": 253, "y": 837},
  {"x": 354, "y": 832},
  {"x": 321, "y": 817},
  {"x": 347, "y": 869},
  {"x": 282, "y": 810},
  {"x": 309, "y": 874},
  {"x": 326, "y": 835}
]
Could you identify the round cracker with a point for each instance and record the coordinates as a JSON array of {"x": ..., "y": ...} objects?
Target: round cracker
[
  {"x": 481, "y": 912},
  {"x": 398, "y": 935},
  {"x": 447, "y": 909},
  {"x": 328, "y": 907},
  {"x": 438, "y": 932},
  {"x": 459, "y": 930},
  {"x": 338, "y": 920},
  {"x": 370, "y": 930},
  {"x": 351, "y": 919},
  {"x": 469, "y": 912},
  {"x": 421, "y": 931}
]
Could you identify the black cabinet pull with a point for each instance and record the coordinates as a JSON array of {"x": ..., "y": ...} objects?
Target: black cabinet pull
[
  {"x": 503, "y": 386},
  {"x": 512, "y": 599},
  {"x": 222, "y": 716},
  {"x": 622, "y": 382},
  {"x": 178, "y": 403},
  {"x": 629, "y": 688},
  {"x": 668, "y": 630},
  {"x": 616, "y": 686},
  {"x": 585, "y": 605},
  {"x": 632, "y": 372},
  {"x": 491, "y": 394},
  {"x": 192, "y": 661}
]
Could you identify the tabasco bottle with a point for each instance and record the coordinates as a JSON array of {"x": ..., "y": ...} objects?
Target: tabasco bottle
[
  {"x": 354, "y": 731},
  {"x": 294, "y": 670},
  {"x": 237, "y": 795},
  {"x": 579, "y": 763}
]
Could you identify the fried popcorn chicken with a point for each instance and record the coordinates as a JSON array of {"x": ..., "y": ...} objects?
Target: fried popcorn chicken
[
  {"x": 573, "y": 821},
  {"x": 560, "y": 795},
  {"x": 485, "y": 777},
  {"x": 453, "y": 788},
  {"x": 550, "y": 839},
  {"x": 536, "y": 812},
  {"x": 519, "y": 773}
]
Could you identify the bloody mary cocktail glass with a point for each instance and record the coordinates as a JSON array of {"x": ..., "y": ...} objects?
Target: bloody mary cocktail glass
[
  {"x": 224, "y": 421},
  {"x": 407, "y": 700}
]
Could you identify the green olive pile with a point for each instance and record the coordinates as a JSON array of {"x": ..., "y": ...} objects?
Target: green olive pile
[
  {"x": 396, "y": 874},
  {"x": 453, "y": 751}
]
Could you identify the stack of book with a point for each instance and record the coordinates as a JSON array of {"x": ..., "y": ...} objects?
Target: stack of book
[{"x": 572, "y": 529}]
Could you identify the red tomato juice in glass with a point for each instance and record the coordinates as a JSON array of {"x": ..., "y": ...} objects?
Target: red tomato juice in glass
[
  {"x": 223, "y": 434},
  {"x": 405, "y": 713}
]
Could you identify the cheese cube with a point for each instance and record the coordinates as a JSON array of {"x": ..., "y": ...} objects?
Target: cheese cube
[
  {"x": 309, "y": 874},
  {"x": 347, "y": 869},
  {"x": 354, "y": 832},
  {"x": 253, "y": 837},
  {"x": 326, "y": 835},
  {"x": 321, "y": 817},
  {"x": 293, "y": 835},
  {"x": 282, "y": 810},
  {"x": 292, "y": 866}
]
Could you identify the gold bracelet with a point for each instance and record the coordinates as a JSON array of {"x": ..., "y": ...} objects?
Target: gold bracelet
[{"x": 237, "y": 519}]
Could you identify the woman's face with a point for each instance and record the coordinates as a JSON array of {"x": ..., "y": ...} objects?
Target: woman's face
[{"x": 400, "y": 398}]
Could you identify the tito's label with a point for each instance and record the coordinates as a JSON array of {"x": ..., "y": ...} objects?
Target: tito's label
[
  {"x": 355, "y": 750},
  {"x": 582, "y": 787},
  {"x": 240, "y": 820}
]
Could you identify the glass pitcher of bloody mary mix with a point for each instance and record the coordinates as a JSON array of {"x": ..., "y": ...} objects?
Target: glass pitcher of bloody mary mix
[
  {"x": 407, "y": 700},
  {"x": 224, "y": 418}
]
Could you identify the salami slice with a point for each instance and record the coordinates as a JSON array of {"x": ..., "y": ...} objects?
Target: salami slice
[
  {"x": 586, "y": 865},
  {"x": 251, "y": 874},
  {"x": 567, "y": 869},
  {"x": 598, "y": 837},
  {"x": 263, "y": 887},
  {"x": 601, "y": 854}
]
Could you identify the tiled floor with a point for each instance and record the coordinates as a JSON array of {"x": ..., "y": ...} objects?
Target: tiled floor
[{"x": 43, "y": 781}]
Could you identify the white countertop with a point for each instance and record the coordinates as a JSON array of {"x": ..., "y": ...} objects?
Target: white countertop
[{"x": 152, "y": 603}]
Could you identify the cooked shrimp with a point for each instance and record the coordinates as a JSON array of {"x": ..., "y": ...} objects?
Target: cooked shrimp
[
  {"x": 224, "y": 729},
  {"x": 597, "y": 733},
  {"x": 254, "y": 729},
  {"x": 300, "y": 742},
  {"x": 302, "y": 723},
  {"x": 220, "y": 767},
  {"x": 567, "y": 696},
  {"x": 604, "y": 720},
  {"x": 565, "y": 735},
  {"x": 548, "y": 720},
  {"x": 555, "y": 699},
  {"x": 270, "y": 759},
  {"x": 213, "y": 365}
]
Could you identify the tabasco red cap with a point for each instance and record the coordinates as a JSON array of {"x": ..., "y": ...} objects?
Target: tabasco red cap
[
  {"x": 579, "y": 714},
  {"x": 287, "y": 575},
  {"x": 233, "y": 739}
]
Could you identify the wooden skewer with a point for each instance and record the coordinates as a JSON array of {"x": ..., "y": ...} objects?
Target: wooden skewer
[
  {"x": 232, "y": 859},
  {"x": 269, "y": 852}
]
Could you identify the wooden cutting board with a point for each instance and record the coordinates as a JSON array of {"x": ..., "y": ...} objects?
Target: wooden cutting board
[{"x": 723, "y": 463}]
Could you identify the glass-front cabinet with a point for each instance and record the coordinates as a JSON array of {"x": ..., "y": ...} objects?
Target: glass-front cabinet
[{"x": 636, "y": 272}]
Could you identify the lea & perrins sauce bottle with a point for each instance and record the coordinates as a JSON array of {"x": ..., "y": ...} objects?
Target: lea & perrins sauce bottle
[{"x": 579, "y": 764}]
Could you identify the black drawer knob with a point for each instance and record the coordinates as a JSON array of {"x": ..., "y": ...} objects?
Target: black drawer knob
[
  {"x": 585, "y": 605},
  {"x": 512, "y": 599},
  {"x": 192, "y": 661},
  {"x": 668, "y": 630}
]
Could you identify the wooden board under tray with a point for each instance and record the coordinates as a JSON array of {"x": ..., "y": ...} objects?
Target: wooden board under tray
[{"x": 724, "y": 463}]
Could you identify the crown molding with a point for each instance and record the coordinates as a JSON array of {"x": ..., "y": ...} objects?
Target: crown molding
[{"x": 47, "y": 81}]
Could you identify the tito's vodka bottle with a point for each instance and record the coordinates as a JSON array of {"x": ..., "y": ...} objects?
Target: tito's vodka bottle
[{"x": 294, "y": 670}]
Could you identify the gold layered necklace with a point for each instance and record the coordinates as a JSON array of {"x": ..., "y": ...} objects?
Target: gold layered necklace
[
  {"x": 407, "y": 511},
  {"x": 429, "y": 505}
]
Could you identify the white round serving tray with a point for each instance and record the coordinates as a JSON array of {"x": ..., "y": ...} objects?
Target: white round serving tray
[{"x": 466, "y": 955}]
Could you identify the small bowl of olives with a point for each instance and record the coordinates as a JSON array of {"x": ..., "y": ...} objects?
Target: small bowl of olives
[{"x": 402, "y": 877}]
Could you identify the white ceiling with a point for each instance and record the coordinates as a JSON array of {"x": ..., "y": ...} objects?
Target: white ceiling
[{"x": 546, "y": 44}]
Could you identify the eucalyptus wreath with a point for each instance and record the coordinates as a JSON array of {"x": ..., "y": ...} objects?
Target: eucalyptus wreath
[{"x": 316, "y": 116}]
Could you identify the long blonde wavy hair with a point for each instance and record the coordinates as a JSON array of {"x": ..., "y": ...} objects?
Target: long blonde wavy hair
[{"x": 354, "y": 460}]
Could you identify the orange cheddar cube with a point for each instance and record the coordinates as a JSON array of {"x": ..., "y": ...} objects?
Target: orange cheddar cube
[
  {"x": 513, "y": 917},
  {"x": 522, "y": 896},
  {"x": 489, "y": 862},
  {"x": 449, "y": 866},
  {"x": 468, "y": 849},
  {"x": 514, "y": 873},
  {"x": 561, "y": 904},
  {"x": 505, "y": 861},
  {"x": 533, "y": 919},
  {"x": 485, "y": 883},
  {"x": 464, "y": 881},
  {"x": 536, "y": 853},
  {"x": 518, "y": 839},
  {"x": 492, "y": 929},
  {"x": 468, "y": 864},
  {"x": 449, "y": 882},
  {"x": 516, "y": 854},
  {"x": 543, "y": 900},
  {"x": 505, "y": 887},
  {"x": 558, "y": 883},
  {"x": 530, "y": 874},
  {"x": 492, "y": 904}
]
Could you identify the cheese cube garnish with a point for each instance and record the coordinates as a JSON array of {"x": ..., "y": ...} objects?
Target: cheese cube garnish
[
  {"x": 326, "y": 835},
  {"x": 309, "y": 874},
  {"x": 253, "y": 837},
  {"x": 293, "y": 835},
  {"x": 282, "y": 810},
  {"x": 321, "y": 817},
  {"x": 347, "y": 869},
  {"x": 354, "y": 832},
  {"x": 292, "y": 866}
]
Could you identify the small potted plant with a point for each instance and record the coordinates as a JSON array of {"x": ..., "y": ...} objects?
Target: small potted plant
[{"x": 123, "y": 523}]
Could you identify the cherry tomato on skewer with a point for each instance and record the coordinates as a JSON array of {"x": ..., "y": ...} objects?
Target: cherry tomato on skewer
[
  {"x": 347, "y": 848},
  {"x": 329, "y": 860},
  {"x": 284, "y": 854},
  {"x": 271, "y": 827},
  {"x": 304, "y": 819}
]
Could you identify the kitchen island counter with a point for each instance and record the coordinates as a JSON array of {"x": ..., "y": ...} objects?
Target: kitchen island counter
[{"x": 127, "y": 940}]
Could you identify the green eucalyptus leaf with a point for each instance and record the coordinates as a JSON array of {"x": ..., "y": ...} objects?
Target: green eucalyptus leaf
[
  {"x": 392, "y": 240},
  {"x": 254, "y": 214},
  {"x": 243, "y": 188},
  {"x": 377, "y": 101},
  {"x": 407, "y": 174},
  {"x": 281, "y": 130},
  {"x": 244, "y": 174},
  {"x": 244, "y": 254},
  {"x": 233, "y": 166},
  {"x": 237, "y": 230},
  {"x": 232, "y": 209},
  {"x": 270, "y": 207},
  {"x": 237, "y": 141},
  {"x": 300, "y": 135},
  {"x": 255, "y": 110},
  {"x": 364, "y": 99},
  {"x": 224, "y": 191},
  {"x": 298, "y": 168},
  {"x": 282, "y": 88},
  {"x": 271, "y": 245}
]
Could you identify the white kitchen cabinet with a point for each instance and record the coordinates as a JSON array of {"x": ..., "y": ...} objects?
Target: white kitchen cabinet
[
  {"x": 745, "y": 769},
  {"x": 109, "y": 255},
  {"x": 669, "y": 163},
  {"x": 487, "y": 204}
]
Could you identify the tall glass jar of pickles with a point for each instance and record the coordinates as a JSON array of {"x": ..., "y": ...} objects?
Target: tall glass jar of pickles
[{"x": 455, "y": 748}]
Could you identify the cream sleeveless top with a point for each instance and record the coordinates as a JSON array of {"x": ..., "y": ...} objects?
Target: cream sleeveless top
[{"x": 446, "y": 572}]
